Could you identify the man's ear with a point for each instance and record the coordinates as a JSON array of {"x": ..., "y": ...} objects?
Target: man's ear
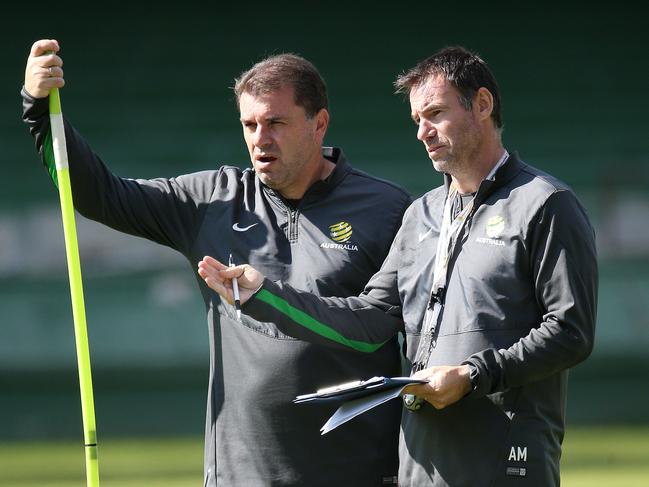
[
  {"x": 322, "y": 123},
  {"x": 483, "y": 103}
]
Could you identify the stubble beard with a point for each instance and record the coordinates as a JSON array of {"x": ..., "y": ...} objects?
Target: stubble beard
[
  {"x": 285, "y": 175},
  {"x": 460, "y": 159},
  {"x": 450, "y": 164}
]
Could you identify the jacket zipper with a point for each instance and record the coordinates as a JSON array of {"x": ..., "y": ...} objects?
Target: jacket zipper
[{"x": 292, "y": 225}]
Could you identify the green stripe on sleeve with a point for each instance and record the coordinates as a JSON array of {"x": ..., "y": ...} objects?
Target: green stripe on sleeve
[
  {"x": 48, "y": 157},
  {"x": 303, "y": 319}
]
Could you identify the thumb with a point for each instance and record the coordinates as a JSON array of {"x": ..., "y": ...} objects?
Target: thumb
[
  {"x": 233, "y": 272},
  {"x": 247, "y": 276}
]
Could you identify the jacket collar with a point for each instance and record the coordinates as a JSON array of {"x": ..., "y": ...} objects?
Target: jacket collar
[
  {"x": 337, "y": 156},
  {"x": 505, "y": 173}
]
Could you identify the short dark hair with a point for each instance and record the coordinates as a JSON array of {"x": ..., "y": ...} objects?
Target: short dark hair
[
  {"x": 279, "y": 70},
  {"x": 465, "y": 70}
]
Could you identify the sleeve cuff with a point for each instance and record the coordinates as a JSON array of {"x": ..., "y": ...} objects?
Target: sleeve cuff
[
  {"x": 252, "y": 303},
  {"x": 34, "y": 108},
  {"x": 479, "y": 385}
]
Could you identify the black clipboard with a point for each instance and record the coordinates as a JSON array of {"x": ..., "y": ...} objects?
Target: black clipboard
[{"x": 353, "y": 390}]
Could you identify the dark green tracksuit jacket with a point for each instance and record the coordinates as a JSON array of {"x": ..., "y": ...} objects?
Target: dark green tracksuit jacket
[
  {"x": 520, "y": 306},
  {"x": 330, "y": 244}
]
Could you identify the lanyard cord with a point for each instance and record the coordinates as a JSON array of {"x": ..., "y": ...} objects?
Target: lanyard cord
[{"x": 446, "y": 248}]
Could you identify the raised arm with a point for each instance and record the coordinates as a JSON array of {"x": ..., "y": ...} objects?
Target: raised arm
[{"x": 167, "y": 211}]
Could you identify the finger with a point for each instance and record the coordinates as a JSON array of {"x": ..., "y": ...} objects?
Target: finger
[
  {"x": 206, "y": 270},
  {"x": 53, "y": 72},
  {"x": 41, "y": 84},
  {"x": 42, "y": 46},
  {"x": 54, "y": 60},
  {"x": 407, "y": 390},
  {"x": 212, "y": 262},
  {"x": 216, "y": 284},
  {"x": 424, "y": 373},
  {"x": 415, "y": 389},
  {"x": 420, "y": 374},
  {"x": 223, "y": 291},
  {"x": 232, "y": 272}
]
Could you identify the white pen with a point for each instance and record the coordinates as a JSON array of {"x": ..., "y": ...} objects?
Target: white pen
[{"x": 235, "y": 290}]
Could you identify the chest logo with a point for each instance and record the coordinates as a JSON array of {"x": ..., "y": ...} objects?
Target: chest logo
[
  {"x": 495, "y": 226},
  {"x": 340, "y": 232}
]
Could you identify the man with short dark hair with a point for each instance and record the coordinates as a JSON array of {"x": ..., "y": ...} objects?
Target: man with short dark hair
[
  {"x": 493, "y": 276},
  {"x": 303, "y": 215}
]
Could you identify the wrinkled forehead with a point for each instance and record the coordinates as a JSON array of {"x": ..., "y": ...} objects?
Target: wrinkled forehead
[
  {"x": 435, "y": 89},
  {"x": 275, "y": 103}
]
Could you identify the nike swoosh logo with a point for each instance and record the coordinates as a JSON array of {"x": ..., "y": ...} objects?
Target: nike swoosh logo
[
  {"x": 422, "y": 236},
  {"x": 237, "y": 228}
]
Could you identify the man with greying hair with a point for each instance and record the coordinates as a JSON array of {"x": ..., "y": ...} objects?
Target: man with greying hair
[
  {"x": 302, "y": 214},
  {"x": 493, "y": 277}
]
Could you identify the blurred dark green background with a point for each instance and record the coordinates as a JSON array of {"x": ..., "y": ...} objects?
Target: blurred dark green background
[{"x": 148, "y": 85}]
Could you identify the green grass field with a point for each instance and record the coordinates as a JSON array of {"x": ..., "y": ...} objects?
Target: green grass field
[{"x": 593, "y": 457}]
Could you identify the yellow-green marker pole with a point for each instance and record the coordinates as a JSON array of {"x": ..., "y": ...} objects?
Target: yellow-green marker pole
[{"x": 76, "y": 289}]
